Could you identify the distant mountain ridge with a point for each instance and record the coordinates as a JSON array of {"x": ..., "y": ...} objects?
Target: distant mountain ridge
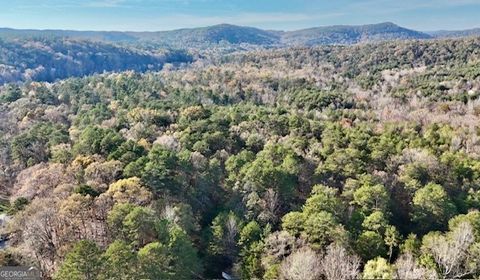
[
  {"x": 237, "y": 35},
  {"x": 232, "y": 34},
  {"x": 351, "y": 34},
  {"x": 215, "y": 34},
  {"x": 455, "y": 33}
]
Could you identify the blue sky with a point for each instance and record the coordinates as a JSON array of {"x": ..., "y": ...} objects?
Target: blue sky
[{"x": 152, "y": 15}]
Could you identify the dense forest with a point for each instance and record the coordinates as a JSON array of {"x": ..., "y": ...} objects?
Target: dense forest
[
  {"x": 51, "y": 59},
  {"x": 228, "y": 35},
  {"x": 333, "y": 162}
]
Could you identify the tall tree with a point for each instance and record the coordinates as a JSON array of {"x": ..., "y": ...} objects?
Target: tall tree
[{"x": 83, "y": 262}]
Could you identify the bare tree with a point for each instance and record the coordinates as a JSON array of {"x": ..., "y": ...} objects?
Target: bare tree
[
  {"x": 278, "y": 246},
  {"x": 77, "y": 215},
  {"x": 452, "y": 252},
  {"x": 337, "y": 264},
  {"x": 39, "y": 228},
  {"x": 407, "y": 268},
  {"x": 303, "y": 264},
  {"x": 40, "y": 180},
  {"x": 271, "y": 206},
  {"x": 232, "y": 231}
]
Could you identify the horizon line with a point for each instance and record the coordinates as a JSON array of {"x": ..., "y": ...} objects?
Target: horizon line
[{"x": 229, "y": 24}]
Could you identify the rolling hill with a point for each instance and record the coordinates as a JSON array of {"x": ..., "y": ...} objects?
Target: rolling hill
[
  {"x": 57, "y": 58},
  {"x": 212, "y": 35},
  {"x": 347, "y": 35},
  {"x": 48, "y": 55},
  {"x": 227, "y": 34},
  {"x": 455, "y": 33}
]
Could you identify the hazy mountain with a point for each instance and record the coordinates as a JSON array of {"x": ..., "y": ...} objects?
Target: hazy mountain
[
  {"x": 455, "y": 33},
  {"x": 189, "y": 37},
  {"x": 109, "y": 36},
  {"x": 217, "y": 34},
  {"x": 236, "y": 35},
  {"x": 346, "y": 35}
]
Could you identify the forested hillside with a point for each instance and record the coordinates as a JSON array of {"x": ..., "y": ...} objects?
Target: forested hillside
[
  {"x": 307, "y": 163},
  {"x": 348, "y": 35},
  {"x": 475, "y": 32},
  {"x": 55, "y": 58},
  {"x": 237, "y": 36}
]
